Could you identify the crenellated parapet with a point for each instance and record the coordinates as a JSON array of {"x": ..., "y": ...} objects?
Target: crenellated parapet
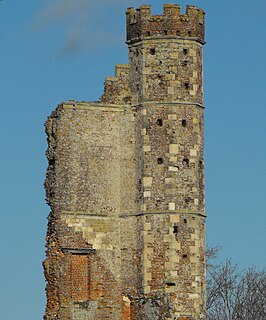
[{"x": 141, "y": 24}]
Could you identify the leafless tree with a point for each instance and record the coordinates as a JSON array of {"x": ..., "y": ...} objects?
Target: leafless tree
[{"x": 234, "y": 294}]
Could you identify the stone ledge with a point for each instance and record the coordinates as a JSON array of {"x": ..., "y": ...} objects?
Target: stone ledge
[{"x": 80, "y": 251}]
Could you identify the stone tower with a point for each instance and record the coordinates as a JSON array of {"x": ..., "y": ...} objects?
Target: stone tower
[{"x": 125, "y": 183}]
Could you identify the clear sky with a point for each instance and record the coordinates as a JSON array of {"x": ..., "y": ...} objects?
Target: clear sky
[{"x": 56, "y": 50}]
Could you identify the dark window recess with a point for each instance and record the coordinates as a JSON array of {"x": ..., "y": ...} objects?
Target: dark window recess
[
  {"x": 51, "y": 194},
  {"x": 170, "y": 284},
  {"x": 185, "y": 51},
  {"x": 189, "y": 33},
  {"x": 187, "y": 200},
  {"x": 165, "y": 32},
  {"x": 160, "y": 160},
  {"x": 185, "y": 63},
  {"x": 175, "y": 229},
  {"x": 185, "y": 220},
  {"x": 159, "y": 122},
  {"x": 160, "y": 62},
  {"x": 186, "y": 85},
  {"x": 185, "y": 162},
  {"x": 148, "y": 33},
  {"x": 177, "y": 32},
  {"x": 51, "y": 162},
  {"x": 184, "y": 122},
  {"x": 184, "y": 255},
  {"x": 152, "y": 51}
]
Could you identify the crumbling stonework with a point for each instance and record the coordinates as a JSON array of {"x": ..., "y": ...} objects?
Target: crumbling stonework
[{"x": 125, "y": 183}]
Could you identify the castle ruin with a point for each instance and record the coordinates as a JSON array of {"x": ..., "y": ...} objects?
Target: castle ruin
[{"x": 125, "y": 183}]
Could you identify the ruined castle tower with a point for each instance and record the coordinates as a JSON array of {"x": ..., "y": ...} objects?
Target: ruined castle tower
[{"x": 125, "y": 183}]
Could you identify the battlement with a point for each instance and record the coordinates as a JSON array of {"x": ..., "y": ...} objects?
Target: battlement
[{"x": 141, "y": 24}]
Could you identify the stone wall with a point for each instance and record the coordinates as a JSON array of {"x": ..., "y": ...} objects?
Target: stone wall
[{"x": 125, "y": 183}]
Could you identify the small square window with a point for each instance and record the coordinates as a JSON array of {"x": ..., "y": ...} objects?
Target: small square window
[
  {"x": 185, "y": 162},
  {"x": 184, "y": 122}
]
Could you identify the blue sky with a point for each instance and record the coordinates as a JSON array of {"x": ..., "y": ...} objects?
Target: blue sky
[{"x": 56, "y": 50}]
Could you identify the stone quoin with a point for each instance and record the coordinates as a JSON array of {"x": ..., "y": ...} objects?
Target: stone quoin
[{"x": 125, "y": 182}]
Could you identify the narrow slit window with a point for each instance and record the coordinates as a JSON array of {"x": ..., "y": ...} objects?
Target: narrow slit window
[
  {"x": 170, "y": 284},
  {"x": 185, "y": 51},
  {"x": 175, "y": 229},
  {"x": 184, "y": 122},
  {"x": 51, "y": 162},
  {"x": 166, "y": 32},
  {"x": 186, "y": 85}
]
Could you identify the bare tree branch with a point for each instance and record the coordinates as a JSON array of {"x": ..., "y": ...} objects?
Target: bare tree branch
[{"x": 234, "y": 294}]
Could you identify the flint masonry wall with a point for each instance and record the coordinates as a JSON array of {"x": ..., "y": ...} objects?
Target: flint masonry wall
[{"x": 125, "y": 183}]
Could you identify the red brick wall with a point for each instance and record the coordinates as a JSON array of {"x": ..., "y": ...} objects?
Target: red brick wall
[{"x": 79, "y": 277}]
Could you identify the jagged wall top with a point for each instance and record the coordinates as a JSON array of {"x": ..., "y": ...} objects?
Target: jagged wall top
[{"x": 142, "y": 24}]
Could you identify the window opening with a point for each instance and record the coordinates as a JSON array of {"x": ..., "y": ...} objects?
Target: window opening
[
  {"x": 170, "y": 284},
  {"x": 187, "y": 200},
  {"x": 159, "y": 122},
  {"x": 184, "y": 122},
  {"x": 175, "y": 229},
  {"x": 160, "y": 160},
  {"x": 152, "y": 51},
  {"x": 185, "y": 162}
]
